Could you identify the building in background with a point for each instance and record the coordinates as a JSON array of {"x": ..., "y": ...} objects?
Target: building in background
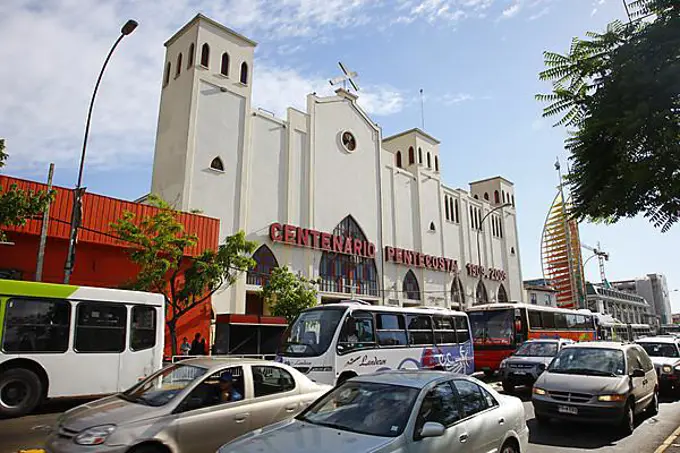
[
  {"x": 622, "y": 305},
  {"x": 654, "y": 288},
  {"x": 101, "y": 259},
  {"x": 323, "y": 191},
  {"x": 676, "y": 318},
  {"x": 540, "y": 292}
]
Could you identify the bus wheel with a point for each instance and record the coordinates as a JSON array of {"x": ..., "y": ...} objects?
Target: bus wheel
[{"x": 20, "y": 392}]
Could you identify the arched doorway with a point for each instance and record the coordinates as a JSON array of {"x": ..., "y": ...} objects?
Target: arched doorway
[
  {"x": 410, "y": 286},
  {"x": 349, "y": 274},
  {"x": 481, "y": 296},
  {"x": 502, "y": 294},
  {"x": 457, "y": 294},
  {"x": 265, "y": 262}
]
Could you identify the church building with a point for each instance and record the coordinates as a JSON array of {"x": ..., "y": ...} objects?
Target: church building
[{"x": 323, "y": 192}]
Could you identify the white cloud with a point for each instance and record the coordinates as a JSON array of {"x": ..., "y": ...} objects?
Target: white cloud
[
  {"x": 439, "y": 11},
  {"x": 511, "y": 11},
  {"x": 539, "y": 14},
  {"x": 455, "y": 98}
]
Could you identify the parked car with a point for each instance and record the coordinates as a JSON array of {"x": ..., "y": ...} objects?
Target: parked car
[
  {"x": 597, "y": 382},
  {"x": 665, "y": 354},
  {"x": 530, "y": 360},
  {"x": 397, "y": 411},
  {"x": 193, "y": 405}
]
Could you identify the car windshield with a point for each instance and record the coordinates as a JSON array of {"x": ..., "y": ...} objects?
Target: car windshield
[
  {"x": 660, "y": 349},
  {"x": 589, "y": 361},
  {"x": 492, "y": 327},
  {"x": 161, "y": 388},
  {"x": 365, "y": 408},
  {"x": 311, "y": 333},
  {"x": 537, "y": 349}
]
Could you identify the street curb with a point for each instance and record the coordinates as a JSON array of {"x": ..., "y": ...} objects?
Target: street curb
[{"x": 668, "y": 442}]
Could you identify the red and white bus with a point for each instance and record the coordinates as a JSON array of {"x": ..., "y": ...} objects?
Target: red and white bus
[{"x": 499, "y": 329}]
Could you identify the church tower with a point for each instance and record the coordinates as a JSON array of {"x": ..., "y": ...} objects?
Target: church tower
[{"x": 203, "y": 128}]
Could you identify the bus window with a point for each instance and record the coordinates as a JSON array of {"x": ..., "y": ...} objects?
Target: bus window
[
  {"x": 100, "y": 327},
  {"x": 535, "y": 320},
  {"x": 143, "y": 333},
  {"x": 444, "y": 331},
  {"x": 462, "y": 328},
  {"x": 420, "y": 329},
  {"x": 560, "y": 321},
  {"x": 357, "y": 332},
  {"x": 36, "y": 325},
  {"x": 493, "y": 326},
  {"x": 391, "y": 330},
  {"x": 311, "y": 333},
  {"x": 548, "y": 320}
]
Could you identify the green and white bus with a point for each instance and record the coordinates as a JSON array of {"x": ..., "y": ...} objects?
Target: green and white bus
[{"x": 63, "y": 341}]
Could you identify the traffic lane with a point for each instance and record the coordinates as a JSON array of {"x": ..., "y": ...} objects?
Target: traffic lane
[
  {"x": 559, "y": 436},
  {"x": 31, "y": 430}
]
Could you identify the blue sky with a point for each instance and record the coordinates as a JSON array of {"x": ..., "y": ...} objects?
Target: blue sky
[{"x": 476, "y": 60}]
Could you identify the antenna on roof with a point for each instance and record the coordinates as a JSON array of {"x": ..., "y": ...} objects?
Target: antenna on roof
[
  {"x": 348, "y": 76},
  {"x": 422, "y": 110}
]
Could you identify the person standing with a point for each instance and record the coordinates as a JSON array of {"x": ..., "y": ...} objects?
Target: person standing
[
  {"x": 185, "y": 347},
  {"x": 196, "y": 345}
]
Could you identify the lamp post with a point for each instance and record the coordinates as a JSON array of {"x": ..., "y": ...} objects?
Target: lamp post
[
  {"x": 481, "y": 224},
  {"x": 125, "y": 30}
]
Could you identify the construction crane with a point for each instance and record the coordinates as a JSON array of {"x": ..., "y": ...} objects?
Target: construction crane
[{"x": 601, "y": 258}]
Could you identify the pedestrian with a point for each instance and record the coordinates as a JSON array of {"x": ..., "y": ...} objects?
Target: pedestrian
[
  {"x": 204, "y": 351},
  {"x": 185, "y": 347},
  {"x": 196, "y": 345}
]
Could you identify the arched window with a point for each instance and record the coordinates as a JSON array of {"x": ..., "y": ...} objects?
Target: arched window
[
  {"x": 429, "y": 161},
  {"x": 504, "y": 200},
  {"x": 456, "y": 210},
  {"x": 420, "y": 155},
  {"x": 481, "y": 295},
  {"x": 410, "y": 287},
  {"x": 476, "y": 197},
  {"x": 224, "y": 67},
  {"x": 205, "y": 55},
  {"x": 342, "y": 273},
  {"x": 493, "y": 226},
  {"x": 513, "y": 200},
  {"x": 166, "y": 76},
  {"x": 457, "y": 293},
  {"x": 178, "y": 68},
  {"x": 496, "y": 197},
  {"x": 432, "y": 227},
  {"x": 446, "y": 207},
  {"x": 217, "y": 164},
  {"x": 411, "y": 156},
  {"x": 486, "y": 196},
  {"x": 265, "y": 262},
  {"x": 244, "y": 73},
  {"x": 472, "y": 217},
  {"x": 479, "y": 219},
  {"x": 502, "y": 295},
  {"x": 436, "y": 163},
  {"x": 399, "y": 159},
  {"x": 192, "y": 55}
]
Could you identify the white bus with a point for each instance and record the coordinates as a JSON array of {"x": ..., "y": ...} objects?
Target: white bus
[
  {"x": 61, "y": 341},
  {"x": 334, "y": 342}
]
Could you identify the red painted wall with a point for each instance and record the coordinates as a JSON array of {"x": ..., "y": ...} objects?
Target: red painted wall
[{"x": 101, "y": 260}]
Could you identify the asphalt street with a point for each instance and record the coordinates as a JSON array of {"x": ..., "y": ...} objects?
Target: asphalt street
[{"x": 29, "y": 431}]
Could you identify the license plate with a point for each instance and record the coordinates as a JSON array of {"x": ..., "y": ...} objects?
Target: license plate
[
  {"x": 520, "y": 373},
  {"x": 567, "y": 410}
]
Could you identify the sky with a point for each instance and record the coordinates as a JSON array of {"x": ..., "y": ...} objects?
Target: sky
[{"x": 477, "y": 62}]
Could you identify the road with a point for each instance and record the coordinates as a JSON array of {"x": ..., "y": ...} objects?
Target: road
[{"x": 29, "y": 431}]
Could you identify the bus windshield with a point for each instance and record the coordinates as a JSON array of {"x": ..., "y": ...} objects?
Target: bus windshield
[
  {"x": 311, "y": 333},
  {"x": 492, "y": 327}
]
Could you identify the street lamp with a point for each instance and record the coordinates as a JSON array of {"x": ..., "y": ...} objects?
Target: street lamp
[
  {"x": 481, "y": 224},
  {"x": 125, "y": 30}
]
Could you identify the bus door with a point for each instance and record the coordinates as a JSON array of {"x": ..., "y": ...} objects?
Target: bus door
[{"x": 144, "y": 353}]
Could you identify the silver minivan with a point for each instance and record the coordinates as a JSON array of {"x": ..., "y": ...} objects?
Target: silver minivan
[{"x": 600, "y": 382}]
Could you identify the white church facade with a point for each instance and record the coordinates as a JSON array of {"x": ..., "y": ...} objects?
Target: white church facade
[{"x": 322, "y": 191}]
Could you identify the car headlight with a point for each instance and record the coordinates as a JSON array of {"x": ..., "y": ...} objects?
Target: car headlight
[
  {"x": 667, "y": 369},
  {"x": 94, "y": 436},
  {"x": 677, "y": 368},
  {"x": 503, "y": 364},
  {"x": 541, "y": 367},
  {"x": 539, "y": 391},
  {"x": 610, "y": 398}
]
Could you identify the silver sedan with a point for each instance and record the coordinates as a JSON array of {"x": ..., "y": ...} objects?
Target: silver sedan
[
  {"x": 396, "y": 411},
  {"x": 192, "y": 406}
]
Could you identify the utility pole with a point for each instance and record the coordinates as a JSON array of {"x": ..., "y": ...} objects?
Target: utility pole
[{"x": 44, "y": 227}]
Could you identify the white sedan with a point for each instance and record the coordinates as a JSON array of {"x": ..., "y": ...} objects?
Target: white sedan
[{"x": 396, "y": 411}]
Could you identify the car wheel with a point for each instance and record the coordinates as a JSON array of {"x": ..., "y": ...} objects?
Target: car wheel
[
  {"x": 653, "y": 408},
  {"x": 148, "y": 448},
  {"x": 509, "y": 447},
  {"x": 508, "y": 387},
  {"x": 628, "y": 421},
  {"x": 20, "y": 392}
]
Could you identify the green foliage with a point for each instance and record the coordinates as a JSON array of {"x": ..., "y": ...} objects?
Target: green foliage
[
  {"x": 618, "y": 93},
  {"x": 160, "y": 246},
  {"x": 288, "y": 294},
  {"x": 16, "y": 205}
]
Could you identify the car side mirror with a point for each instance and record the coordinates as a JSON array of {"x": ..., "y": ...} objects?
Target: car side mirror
[
  {"x": 637, "y": 372},
  {"x": 432, "y": 429}
]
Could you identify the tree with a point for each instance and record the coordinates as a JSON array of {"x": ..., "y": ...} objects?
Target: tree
[
  {"x": 16, "y": 205},
  {"x": 619, "y": 96},
  {"x": 159, "y": 246},
  {"x": 288, "y": 294}
]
